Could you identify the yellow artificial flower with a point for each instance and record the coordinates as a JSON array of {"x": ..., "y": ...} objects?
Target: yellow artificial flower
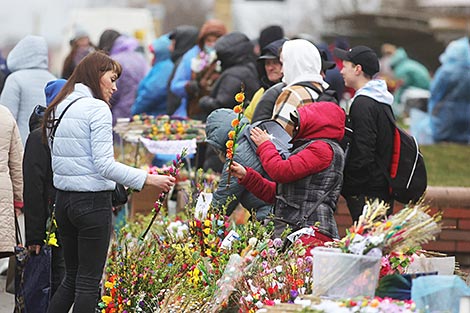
[
  {"x": 208, "y": 252},
  {"x": 207, "y": 223},
  {"x": 106, "y": 299},
  {"x": 108, "y": 284},
  {"x": 231, "y": 134},
  {"x": 229, "y": 144},
  {"x": 240, "y": 97},
  {"x": 52, "y": 240},
  {"x": 207, "y": 231}
]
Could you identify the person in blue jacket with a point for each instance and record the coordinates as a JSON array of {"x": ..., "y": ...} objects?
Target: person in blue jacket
[
  {"x": 182, "y": 82},
  {"x": 449, "y": 104},
  {"x": 152, "y": 92}
]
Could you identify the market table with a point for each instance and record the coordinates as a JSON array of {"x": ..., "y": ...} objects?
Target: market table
[{"x": 159, "y": 135}]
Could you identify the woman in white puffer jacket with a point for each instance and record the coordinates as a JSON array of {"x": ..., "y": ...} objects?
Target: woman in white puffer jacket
[{"x": 84, "y": 173}]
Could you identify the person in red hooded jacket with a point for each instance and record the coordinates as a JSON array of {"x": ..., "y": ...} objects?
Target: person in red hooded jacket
[{"x": 306, "y": 185}]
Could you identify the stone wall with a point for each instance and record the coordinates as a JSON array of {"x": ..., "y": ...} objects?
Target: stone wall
[{"x": 454, "y": 239}]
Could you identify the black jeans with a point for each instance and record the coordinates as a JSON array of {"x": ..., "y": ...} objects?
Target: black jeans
[
  {"x": 84, "y": 220},
  {"x": 58, "y": 267},
  {"x": 356, "y": 204}
]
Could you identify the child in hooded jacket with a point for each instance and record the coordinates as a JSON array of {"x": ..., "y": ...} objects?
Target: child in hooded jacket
[{"x": 306, "y": 185}]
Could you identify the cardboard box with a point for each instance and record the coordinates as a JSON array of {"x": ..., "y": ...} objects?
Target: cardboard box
[{"x": 142, "y": 202}]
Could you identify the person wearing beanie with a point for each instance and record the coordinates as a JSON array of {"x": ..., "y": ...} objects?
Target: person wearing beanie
[
  {"x": 269, "y": 34},
  {"x": 198, "y": 69},
  {"x": 39, "y": 192},
  {"x": 371, "y": 138}
]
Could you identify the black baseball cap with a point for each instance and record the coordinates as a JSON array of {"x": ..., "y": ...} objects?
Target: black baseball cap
[{"x": 361, "y": 55}]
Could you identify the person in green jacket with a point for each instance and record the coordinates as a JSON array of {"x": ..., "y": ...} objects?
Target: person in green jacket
[{"x": 409, "y": 73}]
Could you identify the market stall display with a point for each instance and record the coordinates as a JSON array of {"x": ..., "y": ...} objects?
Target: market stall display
[{"x": 212, "y": 263}]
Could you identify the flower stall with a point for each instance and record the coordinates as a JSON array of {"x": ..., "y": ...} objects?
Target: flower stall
[
  {"x": 214, "y": 264},
  {"x": 202, "y": 260}
]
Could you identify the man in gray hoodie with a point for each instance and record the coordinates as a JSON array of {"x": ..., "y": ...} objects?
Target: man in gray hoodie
[
  {"x": 371, "y": 139},
  {"x": 28, "y": 62}
]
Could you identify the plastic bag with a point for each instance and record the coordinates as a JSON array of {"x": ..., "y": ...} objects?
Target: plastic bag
[{"x": 439, "y": 293}]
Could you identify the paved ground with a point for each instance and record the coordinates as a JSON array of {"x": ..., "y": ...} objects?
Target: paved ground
[{"x": 7, "y": 301}]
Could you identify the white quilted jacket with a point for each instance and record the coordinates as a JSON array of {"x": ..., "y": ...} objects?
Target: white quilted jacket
[{"x": 82, "y": 153}]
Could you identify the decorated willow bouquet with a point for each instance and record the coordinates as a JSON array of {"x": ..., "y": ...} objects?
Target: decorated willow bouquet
[
  {"x": 231, "y": 143},
  {"x": 173, "y": 171},
  {"x": 375, "y": 235}
]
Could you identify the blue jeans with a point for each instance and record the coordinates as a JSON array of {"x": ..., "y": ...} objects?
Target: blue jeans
[{"x": 84, "y": 220}]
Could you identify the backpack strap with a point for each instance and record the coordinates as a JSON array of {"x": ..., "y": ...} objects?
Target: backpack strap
[
  {"x": 379, "y": 161},
  {"x": 57, "y": 121}
]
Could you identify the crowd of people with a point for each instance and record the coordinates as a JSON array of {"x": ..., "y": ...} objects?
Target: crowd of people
[{"x": 294, "y": 157}]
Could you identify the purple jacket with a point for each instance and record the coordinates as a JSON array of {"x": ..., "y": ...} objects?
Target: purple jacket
[{"x": 134, "y": 69}]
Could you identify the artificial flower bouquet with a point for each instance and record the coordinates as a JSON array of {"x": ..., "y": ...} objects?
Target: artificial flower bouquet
[
  {"x": 374, "y": 234},
  {"x": 353, "y": 267}
]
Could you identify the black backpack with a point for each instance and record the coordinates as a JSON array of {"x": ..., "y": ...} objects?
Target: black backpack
[{"x": 407, "y": 172}]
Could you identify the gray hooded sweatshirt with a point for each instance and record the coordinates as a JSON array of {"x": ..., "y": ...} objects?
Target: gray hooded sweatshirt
[{"x": 24, "y": 87}]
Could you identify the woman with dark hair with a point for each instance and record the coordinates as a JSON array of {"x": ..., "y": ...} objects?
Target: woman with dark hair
[
  {"x": 107, "y": 39},
  {"x": 80, "y": 47},
  {"x": 84, "y": 174}
]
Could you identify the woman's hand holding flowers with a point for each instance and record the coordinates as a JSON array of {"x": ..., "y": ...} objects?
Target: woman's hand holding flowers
[
  {"x": 162, "y": 182},
  {"x": 237, "y": 170}
]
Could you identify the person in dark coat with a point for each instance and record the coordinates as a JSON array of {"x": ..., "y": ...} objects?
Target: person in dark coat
[
  {"x": 372, "y": 136},
  {"x": 269, "y": 71},
  {"x": 235, "y": 53},
  {"x": 198, "y": 69},
  {"x": 39, "y": 193},
  {"x": 183, "y": 37}
]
